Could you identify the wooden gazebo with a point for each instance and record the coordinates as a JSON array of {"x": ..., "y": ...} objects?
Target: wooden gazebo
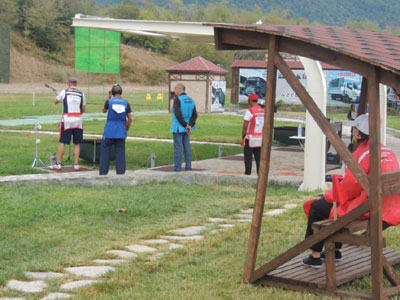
[{"x": 376, "y": 57}]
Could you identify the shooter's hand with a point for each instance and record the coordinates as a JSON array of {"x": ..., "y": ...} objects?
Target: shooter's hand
[{"x": 188, "y": 129}]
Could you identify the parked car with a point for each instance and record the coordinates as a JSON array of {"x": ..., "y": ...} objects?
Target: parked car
[
  {"x": 343, "y": 89},
  {"x": 393, "y": 99}
]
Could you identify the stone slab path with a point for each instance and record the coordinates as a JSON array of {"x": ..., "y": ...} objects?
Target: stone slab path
[{"x": 82, "y": 276}]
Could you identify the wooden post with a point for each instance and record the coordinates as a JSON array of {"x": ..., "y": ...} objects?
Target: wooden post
[
  {"x": 376, "y": 187},
  {"x": 330, "y": 265},
  {"x": 264, "y": 165},
  {"x": 362, "y": 107}
]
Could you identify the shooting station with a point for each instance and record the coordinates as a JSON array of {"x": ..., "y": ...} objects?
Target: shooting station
[{"x": 375, "y": 57}]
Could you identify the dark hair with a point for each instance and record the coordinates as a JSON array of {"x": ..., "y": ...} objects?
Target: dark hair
[
  {"x": 364, "y": 137},
  {"x": 116, "y": 89}
]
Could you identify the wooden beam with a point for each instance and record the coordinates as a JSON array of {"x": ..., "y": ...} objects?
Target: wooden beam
[
  {"x": 376, "y": 193},
  {"x": 229, "y": 39},
  {"x": 264, "y": 165},
  {"x": 362, "y": 107},
  {"x": 330, "y": 265},
  {"x": 310, "y": 241},
  {"x": 390, "y": 273},
  {"x": 351, "y": 239},
  {"x": 391, "y": 176},
  {"x": 391, "y": 189},
  {"x": 323, "y": 123}
]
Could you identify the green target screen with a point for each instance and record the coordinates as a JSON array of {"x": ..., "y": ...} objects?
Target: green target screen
[{"x": 97, "y": 51}]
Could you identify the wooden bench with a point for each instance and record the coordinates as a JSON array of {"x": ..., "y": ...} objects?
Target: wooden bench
[{"x": 347, "y": 234}]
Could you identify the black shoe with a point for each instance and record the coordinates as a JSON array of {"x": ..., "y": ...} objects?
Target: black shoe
[
  {"x": 312, "y": 262},
  {"x": 338, "y": 255}
]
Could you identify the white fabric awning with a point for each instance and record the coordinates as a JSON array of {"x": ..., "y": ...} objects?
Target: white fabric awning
[{"x": 177, "y": 30}]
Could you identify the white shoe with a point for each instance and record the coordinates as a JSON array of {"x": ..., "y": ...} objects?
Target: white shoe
[
  {"x": 56, "y": 167},
  {"x": 76, "y": 167}
]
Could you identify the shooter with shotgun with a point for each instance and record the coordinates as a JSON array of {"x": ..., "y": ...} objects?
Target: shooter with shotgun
[{"x": 74, "y": 104}]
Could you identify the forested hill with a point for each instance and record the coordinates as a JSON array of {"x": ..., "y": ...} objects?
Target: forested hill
[{"x": 328, "y": 12}]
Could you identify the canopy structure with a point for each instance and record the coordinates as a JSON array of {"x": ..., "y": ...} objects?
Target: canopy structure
[{"x": 376, "y": 57}]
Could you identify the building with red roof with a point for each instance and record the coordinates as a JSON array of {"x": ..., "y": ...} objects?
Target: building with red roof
[{"x": 205, "y": 82}]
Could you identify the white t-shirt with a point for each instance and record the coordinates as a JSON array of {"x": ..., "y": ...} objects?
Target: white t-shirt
[{"x": 248, "y": 115}]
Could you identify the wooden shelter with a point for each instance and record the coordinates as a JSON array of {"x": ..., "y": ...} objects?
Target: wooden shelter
[
  {"x": 197, "y": 74},
  {"x": 376, "y": 57}
]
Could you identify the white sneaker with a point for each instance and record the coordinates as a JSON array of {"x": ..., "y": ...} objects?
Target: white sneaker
[
  {"x": 56, "y": 167},
  {"x": 76, "y": 167}
]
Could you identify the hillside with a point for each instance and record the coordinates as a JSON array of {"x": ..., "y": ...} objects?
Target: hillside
[
  {"x": 30, "y": 64},
  {"x": 328, "y": 12}
]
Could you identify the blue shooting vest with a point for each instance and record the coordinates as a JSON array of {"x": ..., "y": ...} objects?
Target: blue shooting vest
[
  {"x": 116, "y": 119},
  {"x": 187, "y": 107}
]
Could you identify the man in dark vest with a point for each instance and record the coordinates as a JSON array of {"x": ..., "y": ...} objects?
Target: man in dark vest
[
  {"x": 119, "y": 120},
  {"x": 184, "y": 118},
  {"x": 74, "y": 104},
  {"x": 253, "y": 124}
]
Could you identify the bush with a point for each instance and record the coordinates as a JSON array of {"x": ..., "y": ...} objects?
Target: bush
[
  {"x": 58, "y": 76},
  {"x": 155, "y": 77}
]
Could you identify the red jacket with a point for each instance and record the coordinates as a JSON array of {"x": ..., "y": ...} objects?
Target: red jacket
[{"x": 349, "y": 193}]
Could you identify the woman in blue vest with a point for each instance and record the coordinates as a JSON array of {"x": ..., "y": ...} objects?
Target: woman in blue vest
[
  {"x": 119, "y": 120},
  {"x": 184, "y": 117}
]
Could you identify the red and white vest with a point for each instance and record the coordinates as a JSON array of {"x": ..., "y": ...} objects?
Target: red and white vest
[{"x": 256, "y": 125}]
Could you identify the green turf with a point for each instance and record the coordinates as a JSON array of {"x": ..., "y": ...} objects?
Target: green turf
[{"x": 17, "y": 152}]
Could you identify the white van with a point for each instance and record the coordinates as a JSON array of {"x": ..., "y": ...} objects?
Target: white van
[{"x": 343, "y": 89}]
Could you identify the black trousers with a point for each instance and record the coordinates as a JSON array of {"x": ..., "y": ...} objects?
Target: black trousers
[
  {"x": 320, "y": 210},
  {"x": 248, "y": 157}
]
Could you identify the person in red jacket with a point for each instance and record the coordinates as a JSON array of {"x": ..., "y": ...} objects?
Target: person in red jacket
[
  {"x": 348, "y": 193},
  {"x": 253, "y": 124}
]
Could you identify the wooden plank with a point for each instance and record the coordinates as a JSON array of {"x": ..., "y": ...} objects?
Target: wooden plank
[
  {"x": 390, "y": 291},
  {"x": 323, "y": 123},
  {"x": 230, "y": 39},
  {"x": 375, "y": 197},
  {"x": 330, "y": 266},
  {"x": 292, "y": 286},
  {"x": 264, "y": 166},
  {"x": 391, "y": 189},
  {"x": 354, "y": 226},
  {"x": 390, "y": 273},
  {"x": 392, "y": 176},
  {"x": 312, "y": 240},
  {"x": 352, "y": 239}
]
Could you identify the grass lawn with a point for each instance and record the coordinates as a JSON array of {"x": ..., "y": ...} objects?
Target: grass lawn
[
  {"x": 16, "y": 105},
  {"x": 17, "y": 151},
  {"x": 49, "y": 227}
]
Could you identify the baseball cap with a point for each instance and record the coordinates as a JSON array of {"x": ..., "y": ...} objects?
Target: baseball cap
[
  {"x": 361, "y": 123},
  {"x": 253, "y": 97}
]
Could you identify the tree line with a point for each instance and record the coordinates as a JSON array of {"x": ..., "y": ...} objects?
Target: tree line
[{"x": 47, "y": 23}]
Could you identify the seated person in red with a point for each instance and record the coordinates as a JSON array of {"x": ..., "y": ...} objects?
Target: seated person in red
[{"x": 351, "y": 193}]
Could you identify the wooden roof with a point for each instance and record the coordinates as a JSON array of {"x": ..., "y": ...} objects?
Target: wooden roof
[
  {"x": 197, "y": 65},
  {"x": 351, "y": 49}
]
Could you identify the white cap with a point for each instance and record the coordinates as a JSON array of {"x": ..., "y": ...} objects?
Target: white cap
[{"x": 361, "y": 123}]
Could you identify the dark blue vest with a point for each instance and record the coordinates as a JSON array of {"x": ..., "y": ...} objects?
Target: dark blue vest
[
  {"x": 116, "y": 119},
  {"x": 187, "y": 107}
]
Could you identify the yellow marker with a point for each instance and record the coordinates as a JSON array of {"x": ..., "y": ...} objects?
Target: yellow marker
[
  {"x": 159, "y": 96},
  {"x": 148, "y": 96}
]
